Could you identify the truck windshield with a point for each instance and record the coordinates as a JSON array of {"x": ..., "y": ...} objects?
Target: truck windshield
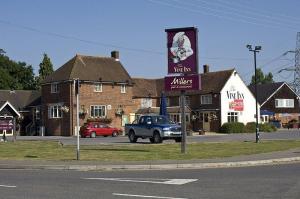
[{"x": 161, "y": 120}]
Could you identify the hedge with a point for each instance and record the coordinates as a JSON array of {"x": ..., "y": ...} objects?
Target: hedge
[
  {"x": 232, "y": 127},
  {"x": 238, "y": 127}
]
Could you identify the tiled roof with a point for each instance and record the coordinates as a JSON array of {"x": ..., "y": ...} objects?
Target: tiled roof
[
  {"x": 91, "y": 68},
  {"x": 211, "y": 82},
  {"x": 264, "y": 91},
  {"x": 21, "y": 99}
]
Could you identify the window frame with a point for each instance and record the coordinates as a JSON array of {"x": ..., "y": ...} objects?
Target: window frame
[
  {"x": 206, "y": 99},
  {"x": 123, "y": 88},
  {"x": 232, "y": 117},
  {"x": 54, "y": 88},
  {"x": 92, "y": 111},
  {"x": 54, "y": 111},
  {"x": 284, "y": 103},
  {"x": 98, "y": 87}
]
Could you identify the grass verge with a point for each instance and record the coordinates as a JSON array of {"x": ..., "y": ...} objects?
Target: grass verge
[{"x": 51, "y": 150}]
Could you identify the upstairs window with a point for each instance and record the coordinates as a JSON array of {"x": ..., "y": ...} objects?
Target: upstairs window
[
  {"x": 123, "y": 88},
  {"x": 98, "y": 87},
  {"x": 206, "y": 99},
  {"x": 54, "y": 88},
  {"x": 284, "y": 103}
]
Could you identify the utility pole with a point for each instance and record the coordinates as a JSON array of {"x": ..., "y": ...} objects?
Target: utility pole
[
  {"x": 255, "y": 50},
  {"x": 76, "y": 85}
]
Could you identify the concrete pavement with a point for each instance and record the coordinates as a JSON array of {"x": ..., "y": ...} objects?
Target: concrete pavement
[{"x": 281, "y": 157}]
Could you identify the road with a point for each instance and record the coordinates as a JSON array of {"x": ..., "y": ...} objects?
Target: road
[
  {"x": 293, "y": 134},
  {"x": 281, "y": 181}
]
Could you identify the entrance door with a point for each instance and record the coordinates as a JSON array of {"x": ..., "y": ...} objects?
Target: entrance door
[{"x": 206, "y": 121}]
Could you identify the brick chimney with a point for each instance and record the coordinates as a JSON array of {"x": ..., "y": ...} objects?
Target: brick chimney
[
  {"x": 205, "y": 68},
  {"x": 115, "y": 55}
]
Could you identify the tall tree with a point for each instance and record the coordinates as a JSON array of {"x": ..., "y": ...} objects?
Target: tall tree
[
  {"x": 261, "y": 78},
  {"x": 15, "y": 75},
  {"x": 46, "y": 67}
]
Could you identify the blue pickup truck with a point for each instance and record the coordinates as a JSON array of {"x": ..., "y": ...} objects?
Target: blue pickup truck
[{"x": 155, "y": 127}]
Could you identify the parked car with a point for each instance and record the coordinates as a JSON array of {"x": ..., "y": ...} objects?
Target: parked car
[
  {"x": 155, "y": 127},
  {"x": 93, "y": 129}
]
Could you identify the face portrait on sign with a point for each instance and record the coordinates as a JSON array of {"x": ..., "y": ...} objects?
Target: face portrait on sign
[{"x": 181, "y": 47}]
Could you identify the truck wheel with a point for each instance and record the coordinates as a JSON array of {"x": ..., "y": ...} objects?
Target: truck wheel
[
  {"x": 156, "y": 138},
  {"x": 177, "y": 139},
  {"x": 132, "y": 137}
]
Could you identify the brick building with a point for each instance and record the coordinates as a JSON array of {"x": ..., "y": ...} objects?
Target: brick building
[
  {"x": 105, "y": 92},
  {"x": 278, "y": 102}
]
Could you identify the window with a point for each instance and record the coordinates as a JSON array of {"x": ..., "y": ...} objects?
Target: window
[
  {"x": 187, "y": 101},
  {"x": 54, "y": 88},
  {"x": 54, "y": 111},
  {"x": 284, "y": 103},
  {"x": 232, "y": 117},
  {"x": 98, "y": 111},
  {"x": 206, "y": 99},
  {"x": 146, "y": 103},
  {"x": 123, "y": 88},
  {"x": 98, "y": 87}
]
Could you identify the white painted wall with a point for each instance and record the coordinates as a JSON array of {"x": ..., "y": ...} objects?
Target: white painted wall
[{"x": 236, "y": 88}]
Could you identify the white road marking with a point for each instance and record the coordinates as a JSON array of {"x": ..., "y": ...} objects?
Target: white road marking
[
  {"x": 153, "y": 181},
  {"x": 7, "y": 186},
  {"x": 144, "y": 196}
]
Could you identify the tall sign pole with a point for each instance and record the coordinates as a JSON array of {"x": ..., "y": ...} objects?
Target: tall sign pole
[
  {"x": 183, "y": 61},
  {"x": 183, "y": 121}
]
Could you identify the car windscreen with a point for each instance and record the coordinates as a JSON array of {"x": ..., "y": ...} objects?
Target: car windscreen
[{"x": 161, "y": 120}]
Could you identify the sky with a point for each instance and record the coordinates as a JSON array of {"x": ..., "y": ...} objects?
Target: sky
[{"x": 136, "y": 28}]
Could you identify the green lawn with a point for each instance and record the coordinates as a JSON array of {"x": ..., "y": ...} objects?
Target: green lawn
[{"x": 51, "y": 150}]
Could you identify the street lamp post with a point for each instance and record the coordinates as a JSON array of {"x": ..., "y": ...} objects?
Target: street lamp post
[{"x": 255, "y": 50}]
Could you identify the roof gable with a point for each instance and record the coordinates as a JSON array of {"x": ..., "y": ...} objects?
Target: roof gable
[
  {"x": 91, "y": 68},
  {"x": 5, "y": 104},
  {"x": 265, "y": 91}
]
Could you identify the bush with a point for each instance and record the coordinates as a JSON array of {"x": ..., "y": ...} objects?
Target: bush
[
  {"x": 266, "y": 127},
  {"x": 232, "y": 127},
  {"x": 250, "y": 127}
]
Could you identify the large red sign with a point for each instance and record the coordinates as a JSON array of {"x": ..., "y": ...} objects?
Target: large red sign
[
  {"x": 187, "y": 82},
  {"x": 237, "y": 105},
  {"x": 182, "y": 50}
]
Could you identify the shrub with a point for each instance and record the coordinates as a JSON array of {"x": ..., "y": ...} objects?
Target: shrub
[
  {"x": 232, "y": 127},
  {"x": 266, "y": 127},
  {"x": 250, "y": 127}
]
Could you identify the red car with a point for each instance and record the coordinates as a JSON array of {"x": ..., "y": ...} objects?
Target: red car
[{"x": 93, "y": 129}]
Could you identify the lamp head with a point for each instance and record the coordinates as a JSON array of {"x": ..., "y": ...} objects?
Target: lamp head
[
  {"x": 257, "y": 48},
  {"x": 249, "y": 46}
]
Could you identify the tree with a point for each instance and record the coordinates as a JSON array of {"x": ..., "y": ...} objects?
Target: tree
[
  {"x": 261, "y": 78},
  {"x": 46, "y": 67},
  {"x": 15, "y": 75}
]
